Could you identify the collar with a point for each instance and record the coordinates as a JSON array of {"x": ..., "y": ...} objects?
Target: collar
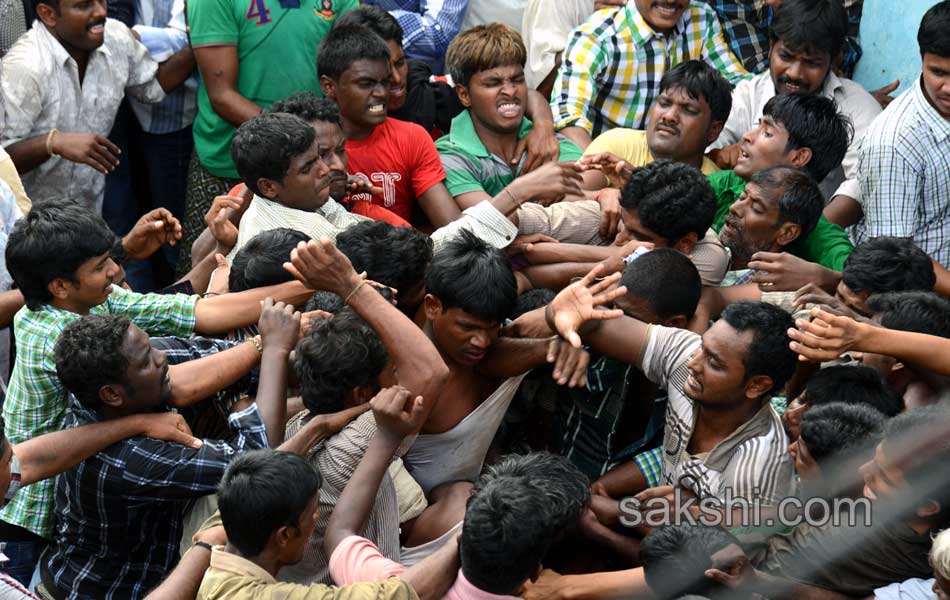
[
  {"x": 938, "y": 124},
  {"x": 236, "y": 565},
  {"x": 760, "y": 424},
  {"x": 832, "y": 84},
  {"x": 464, "y": 137},
  {"x": 81, "y": 412},
  {"x": 59, "y": 53},
  {"x": 465, "y": 589},
  {"x": 644, "y": 32}
]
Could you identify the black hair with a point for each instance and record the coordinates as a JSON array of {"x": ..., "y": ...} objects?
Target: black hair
[
  {"x": 375, "y": 19},
  {"x": 260, "y": 262},
  {"x": 264, "y": 146},
  {"x": 393, "y": 256},
  {"x": 919, "y": 312},
  {"x": 469, "y": 274},
  {"x": 916, "y": 443},
  {"x": 346, "y": 44},
  {"x": 51, "y": 242},
  {"x": 856, "y": 384},
  {"x": 566, "y": 489},
  {"x": 309, "y": 107},
  {"x": 813, "y": 121},
  {"x": 809, "y": 25},
  {"x": 932, "y": 35},
  {"x": 532, "y": 300},
  {"x": 768, "y": 354},
  {"x": 671, "y": 198},
  {"x": 675, "y": 558},
  {"x": 505, "y": 534},
  {"x": 88, "y": 356},
  {"x": 481, "y": 48},
  {"x": 831, "y": 430},
  {"x": 336, "y": 356},
  {"x": 325, "y": 301},
  {"x": 262, "y": 491},
  {"x": 701, "y": 81},
  {"x": 667, "y": 280},
  {"x": 888, "y": 264},
  {"x": 800, "y": 200}
]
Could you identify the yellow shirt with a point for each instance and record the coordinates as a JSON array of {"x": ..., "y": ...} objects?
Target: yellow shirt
[{"x": 631, "y": 145}]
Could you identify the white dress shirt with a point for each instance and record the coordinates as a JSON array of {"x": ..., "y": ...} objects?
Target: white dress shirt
[{"x": 546, "y": 28}]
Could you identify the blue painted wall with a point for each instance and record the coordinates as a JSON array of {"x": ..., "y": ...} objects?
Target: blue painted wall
[{"x": 889, "y": 39}]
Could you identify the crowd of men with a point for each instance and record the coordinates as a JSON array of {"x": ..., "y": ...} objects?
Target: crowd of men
[{"x": 333, "y": 299}]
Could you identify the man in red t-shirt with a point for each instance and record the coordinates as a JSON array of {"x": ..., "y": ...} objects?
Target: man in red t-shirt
[{"x": 394, "y": 155}]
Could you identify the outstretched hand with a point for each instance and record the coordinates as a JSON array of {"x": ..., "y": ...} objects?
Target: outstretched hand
[
  {"x": 825, "y": 337},
  {"x": 397, "y": 413},
  {"x": 153, "y": 230},
  {"x": 577, "y": 303},
  {"x": 320, "y": 266}
]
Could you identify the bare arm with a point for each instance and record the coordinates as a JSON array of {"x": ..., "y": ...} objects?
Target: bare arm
[
  {"x": 280, "y": 327},
  {"x": 219, "y": 71},
  {"x": 320, "y": 427},
  {"x": 195, "y": 380},
  {"x": 174, "y": 71},
  {"x": 439, "y": 206},
  {"x": 578, "y": 135},
  {"x": 227, "y": 312},
  {"x": 843, "y": 211},
  {"x": 185, "y": 579},
  {"x": 594, "y": 586},
  {"x": 943, "y": 279},
  {"x": 10, "y": 302}
]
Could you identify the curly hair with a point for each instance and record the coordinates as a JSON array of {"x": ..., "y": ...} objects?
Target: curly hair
[
  {"x": 88, "y": 356},
  {"x": 395, "y": 256},
  {"x": 264, "y": 146},
  {"x": 309, "y": 107}
]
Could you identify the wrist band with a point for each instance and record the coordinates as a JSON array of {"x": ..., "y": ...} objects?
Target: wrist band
[
  {"x": 201, "y": 544},
  {"x": 356, "y": 289},
  {"x": 257, "y": 344},
  {"x": 49, "y": 141}
]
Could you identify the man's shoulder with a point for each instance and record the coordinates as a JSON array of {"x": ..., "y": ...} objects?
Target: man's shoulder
[
  {"x": 21, "y": 60},
  {"x": 897, "y": 125},
  {"x": 856, "y": 101}
]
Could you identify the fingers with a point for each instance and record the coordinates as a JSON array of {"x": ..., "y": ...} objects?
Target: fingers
[
  {"x": 586, "y": 280},
  {"x": 104, "y": 141},
  {"x": 185, "y": 439},
  {"x": 606, "y": 283},
  {"x": 246, "y": 195},
  {"x": 221, "y": 261}
]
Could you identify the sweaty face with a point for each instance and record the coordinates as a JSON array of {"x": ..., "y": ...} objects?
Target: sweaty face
[
  {"x": 497, "y": 98},
  {"x": 856, "y": 301},
  {"x": 716, "y": 371},
  {"x": 936, "y": 78},
  {"x": 147, "y": 384},
  {"x": 362, "y": 92},
  {"x": 752, "y": 223},
  {"x": 678, "y": 126},
  {"x": 81, "y": 24},
  {"x": 464, "y": 338},
  {"x": 762, "y": 147},
  {"x": 94, "y": 280},
  {"x": 400, "y": 76},
  {"x": 331, "y": 149},
  {"x": 306, "y": 524},
  {"x": 802, "y": 71},
  {"x": 882, "y": 479},
  {"x": 662, "y": 15},
  {"x": 633, "y": 230},
  {"x": 306, "y": 185}
]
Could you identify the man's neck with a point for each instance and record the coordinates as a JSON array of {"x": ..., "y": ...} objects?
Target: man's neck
[
  {"x": 265, "y": 560},
  {"x": 354, "y": 132},
  {"x": 502, "y": 145},
  {"x": 713, "y": 426},
  {"x": 454, "y": 367},
  {"x": 693, "y": 161},
  {"x": 70, "y": 306},
  {"x": 80, "y": 56}
]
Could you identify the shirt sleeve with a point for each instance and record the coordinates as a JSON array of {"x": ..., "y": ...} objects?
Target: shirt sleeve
[
  {"x": 23, "y": 93},
  {"x": 667, "y": 350},
  {"x": 426, "y": 35},
  {"x": 741, "y": 116},
  {"x": 143, "y": 70},
  {"x": 157, "y": 314},
  {"x": 577, "y": 80},
  {"x": 485, "y": 221},
  {"x": 460, "y": 175},
  {"x": 212, "y": 22},
  {"x": 357, "y": 559},
  {"x": 545, "y": 34},
  {"x": 391, "y": 589},
  {"x": 427, "y": 170},
  {"x": 717, "y": 50},
  {"x": 570, "y": 222},
  {"x": 828, "y": 245}
]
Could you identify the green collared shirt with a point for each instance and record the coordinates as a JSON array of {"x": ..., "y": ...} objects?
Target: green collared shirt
[{"x": 470, "y": 167}]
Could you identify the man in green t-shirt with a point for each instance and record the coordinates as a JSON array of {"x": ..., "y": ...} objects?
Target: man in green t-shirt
[
  {"x": 798, "y": 130},
  {"x": 251, "y": 53}
]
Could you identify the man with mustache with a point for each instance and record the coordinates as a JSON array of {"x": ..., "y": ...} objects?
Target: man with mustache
[
  {"x": 62, "y": 85},
  {"x": 806, "y": 37}
]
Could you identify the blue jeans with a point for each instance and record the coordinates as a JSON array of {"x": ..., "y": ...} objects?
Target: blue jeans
[{"x": 24, "y": 557}]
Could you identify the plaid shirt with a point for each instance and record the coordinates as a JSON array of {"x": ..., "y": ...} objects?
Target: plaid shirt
[
  {"x": 428, "y": 26},
  {"x": 119, "y": 514},
  {"x": 36, "y": 399},
  {"x": 613, "y": 64}
]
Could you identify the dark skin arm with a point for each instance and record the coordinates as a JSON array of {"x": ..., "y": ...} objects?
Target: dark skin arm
[
  {"x": 219, "y": 71},
  {"x": 221, "y": 314},
  {"x": 83, "y": 148},
  {"x": 843, "y": 211},
  {"x": 280, "y": 327},
  {"x": 541, "y": 142},
  {"x": 196, "y": 380},
  {"x": 174, "y": 71},
  {"x": 439, "y": 206},
  {"x": 547, "y": 85},
  {"x": 10, "y": 302},
  {"x": 183, "y": 582}
]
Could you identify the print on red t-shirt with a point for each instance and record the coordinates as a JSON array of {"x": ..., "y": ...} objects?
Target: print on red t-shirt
[{"x": 400, "y": 158}]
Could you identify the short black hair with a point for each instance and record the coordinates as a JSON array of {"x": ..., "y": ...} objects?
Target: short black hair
[
  {"x": 337, "y": 355},
  {"x": 932, "y": 35},
  {"x": 832, "y": 430},
  {"x": 671, "y": 198},
  {"x": 533, "y": 299},
  {"x": 566, "y": 488},
  {"x": 800, "y": 200},
  {"x": 262, "y": 491},
  {"x": 309, "y": 107},
  {"x": 675, "y": 558},
  {"x": 375, "y": 19},
  {"x": 505, "y": 534},
  {"x": 701, "y": 81},
  {"x": 809, "y": 25},
  {"x": 395, "y": 256},
  {"x": 260, "y": 262},
  {"x": 325, "y": 301},
  {"x": 88, "y": 356},
  {"x": 667, "y": 279},
  {"x": 264, "y": 146},
  {"x": 888, "y": 264},
  {"x": 919, "y": 312},
  {"x": 768, "y": 354},
  {"x": 51, "y": 242},
  {"x": 346, "y": 44},
  {"x": 469, "y": 274},
  {"x": 916, "y": 442},
  {"x": 813, "y": 121},
  {"x": 853, "y": 384}
]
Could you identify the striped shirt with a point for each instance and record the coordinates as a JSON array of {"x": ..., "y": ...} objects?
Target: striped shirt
[
  {"x": 428, "y": 26},
  {"x": 613, "y": 64},
  {"x": 904, "y": 173},
  {"x": 752, "y": 461}
]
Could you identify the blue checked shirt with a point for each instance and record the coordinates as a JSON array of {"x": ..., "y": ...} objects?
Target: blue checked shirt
[
  {"x": 428, "y": 26},
  {"x": 611, "y": 71},
  {"x": 119, "y": 514}
]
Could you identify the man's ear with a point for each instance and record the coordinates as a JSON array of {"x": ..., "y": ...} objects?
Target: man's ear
[
  {"x": 112, "y": 395},
  {"x": 800, "y": 157},
  {"x": 929, "y": 509},
  {"x": 269, "y": 188},
  {"x": 59, "y": 288},
  {"x": 329, "y": 87},
  {"x": 47, "y": 14},
  {"x": 788, "y": 233},
  {"x": 677, "y": 321},
  {"x": 715, "y": 128},
  {"x": 686, "y": 243},
  {"x": 462, "y": 93},
  {"x": 757, "y": 386},
  {"x": 432, "y": 307}
]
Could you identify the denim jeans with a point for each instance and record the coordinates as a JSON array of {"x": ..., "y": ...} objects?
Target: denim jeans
[{"x": 24, "y": 556}]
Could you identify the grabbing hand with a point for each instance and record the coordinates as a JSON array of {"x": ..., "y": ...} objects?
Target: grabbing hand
[
  {"x": 153, "y": 230},
  {"x": 615, "y": 169},
  {"x": 279, "y": 325},
  {"x": 727, "y": 157},
  {"x": 577, "y": 303},
  {"x": 883, "y": 94},
  {"x": 397, "y": 413},
  {"x": 826, "y": 336},
  {"x": 785, "y": 272},
  {"x": 550, "y": 182},
  {"x": 570, "y": 363},
  {"x": 87, "y": 149},
  {"x": 320, "y": 266},
  {"x": 522, "y": 243},
  {"x": 169, "y": 427},
  {"x": 219, "y": 218},
  {"x": 360, "y": 184},
  {"x": 548, "y": 586},
  {"x": 540, "y": 144},
  {"x": 609, "y": 200}
]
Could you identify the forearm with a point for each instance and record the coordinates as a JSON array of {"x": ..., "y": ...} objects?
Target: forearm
[
  {"x": 10, "y": 302},
  {"x": 776, "y": 587},
  {"x": 556, "y": 276},
  {"x": 29, "y": 153},
  {"x": 319, "y": 427},
  {"x": 603, "y": 586},
  {"x": 843, "y": 211},
  {"x": 510, "y": 357},
  {"x": 621, "y": 546},
  {"x": 272, "y": 393},
  {"x": 174, "y": 71},
  {"x": 622, "y": 339},
  {"x": 578, "y": 135},
  {"x": 198, "y": 379},
  {"x": 942, "y": 286},
  {"x": 550, "y": 252},
  {"x": 928, "y": 352},
  {"x": 432, "y": 577},
  {"x": 538, "y": 110},
  {"x": 228, "y": 312},
  {"x": 185, "y": 579},
  {"x": 234, "y": 108},
  {"x": 203, "y": 247}
]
